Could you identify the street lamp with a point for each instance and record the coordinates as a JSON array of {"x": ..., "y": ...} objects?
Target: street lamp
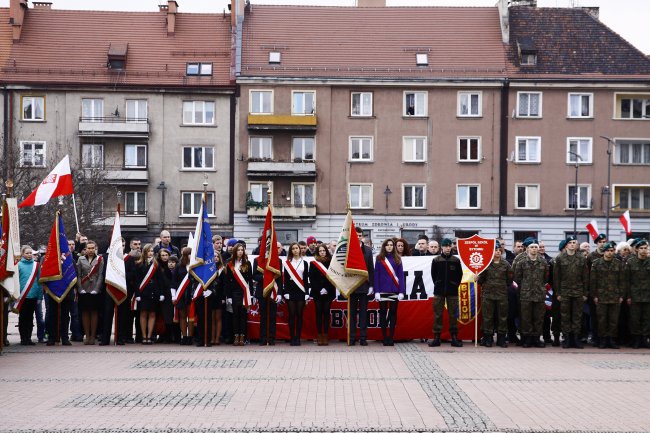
[
  {"x": 387, "y": 192},
  {"x": 608, "y": 193},
  {"x": 575, "y": 193}
]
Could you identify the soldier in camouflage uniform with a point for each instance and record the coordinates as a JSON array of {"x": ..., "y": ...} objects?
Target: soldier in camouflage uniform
[
  {"x": 607, "y": 291},
  {"x": 637, "y": 283},
  {"x": 590, "y": 322},
  {"x": 570, "y": 280},
  {"x": 531, "y": 274},
  {"x": 494, "y": 281}
]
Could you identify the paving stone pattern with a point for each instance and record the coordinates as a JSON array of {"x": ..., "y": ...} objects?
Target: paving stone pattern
[
  {"x": 194, "y": 363},
  {"x": 138, "y": 400}
]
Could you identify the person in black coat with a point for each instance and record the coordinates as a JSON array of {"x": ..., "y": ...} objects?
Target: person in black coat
[
  {"x": 359, "y": 298},
  {"x": 268, "y": 306},
  {"x": 149, "y": 294},
  {"x": 239, "y": 278},
  {"x": 447, "y": 274},
  {"x": 295, "y": 290},
  {"x": 183, "y": 300},
  {"x": 166, "y": 306},
  {"x": 322, "y": 291},
  {"x": 217, "y": 299}
]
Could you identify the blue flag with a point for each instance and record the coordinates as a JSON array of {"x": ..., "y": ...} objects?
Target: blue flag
[
  {"x": 58, "y": 272},
  {"x": 202, "y": 266}
]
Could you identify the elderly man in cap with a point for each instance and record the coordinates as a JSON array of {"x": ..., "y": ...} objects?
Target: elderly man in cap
[
  {"x": 637, "y": 282},
  {"x": 607, "y": 291},
  {"x": 570, "y": 282},
  {"x": 447, "y": 274},
  {"x": 531, "y": 274}
]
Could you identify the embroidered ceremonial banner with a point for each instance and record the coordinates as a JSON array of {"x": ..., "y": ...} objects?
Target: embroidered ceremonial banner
[
  {"x": 476, "y": 253},
  {"x": 115, "y": 269},
  {"x": 10, "y": 248},
  {"x": 203, "y": 268},
  {"x": 58, "y": 272},
  {"x": 347, "y": 270}
]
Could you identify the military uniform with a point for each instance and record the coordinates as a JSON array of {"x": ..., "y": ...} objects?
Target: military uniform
[
  {"x": 570, "y": 280},
  {"x": 531, "y": 276},
  {"x": 637, "y": 283},
  {"x": 494, "y": 281},
  {"x": 606, "y": 285},
  {"x": 590, "y": 323}
]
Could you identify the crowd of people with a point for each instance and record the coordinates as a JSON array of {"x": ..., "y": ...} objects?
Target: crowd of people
[{"x": 527, "y": 297}]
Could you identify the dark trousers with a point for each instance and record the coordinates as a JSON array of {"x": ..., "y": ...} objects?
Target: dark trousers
[
  {"x": 323, "y": 306},
  {"x": 358, "y": 315},
  {"x": 239, "y": 319},
  {"x": 199, "y": 330},
  {"x": 513, "y": 312},
  {"x": 492, "y": 308},
  {"x": 296, "y": 309},
  {"x": 608, "y": 319},
  {"x": 532, "y": 318},
  {"x": 74, "y": 321},
  {"x": 552, "y": 320},
  {"x": 388, "y": 316},
  {"x": 227, "y": 325},
  {"x": 124, "y": 331},
  {"x": 269, "y": 308},
  {"x": 63, "y": 321},
  {"x": 571, "y": 308},
  {"x": 26, "y": 319},
  {"x": 40, "y": 321},
  {"x": 439, "y": 309}
]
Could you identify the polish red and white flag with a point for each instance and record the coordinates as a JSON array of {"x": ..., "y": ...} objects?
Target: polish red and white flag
[
  {"x": 593, "y": 229},
  {"x": 626, "y": 222},
  {"x": 57, "y": 183}
]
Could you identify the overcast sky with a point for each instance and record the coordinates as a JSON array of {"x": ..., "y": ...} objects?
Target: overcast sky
[{"x": 629, "y": 18}]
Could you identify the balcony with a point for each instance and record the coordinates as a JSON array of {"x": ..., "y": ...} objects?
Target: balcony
[
  {"x": 118, "y": 175},
  {"x": 282, "y": 122},
  {"x": 127, "y": 221},
  {"x": 284, "y": 213},
  {"x": 281, "y": 168},
  {"x": 113, "y": 126}
]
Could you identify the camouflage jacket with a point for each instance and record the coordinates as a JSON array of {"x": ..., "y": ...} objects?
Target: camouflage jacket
[
  {"x": 606, "y": 281},
  {"x": 495, "y": 279},
  {"x": 637, "y": 279},
  {"x": 570, "y": 275},
  {"x": 531, "y": 277}
]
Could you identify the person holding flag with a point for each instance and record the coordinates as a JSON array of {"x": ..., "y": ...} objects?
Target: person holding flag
[
  {"x": 30, "y": 294},
  {"x": 89, "y": 284},
  {"x": 390, "y": 288},
  {"x": 238, "y": 280}
]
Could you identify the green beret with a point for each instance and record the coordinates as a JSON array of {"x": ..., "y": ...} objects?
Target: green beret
[
  {"x": 609, "y": 246},
  {"x": 446, "y": 242},
  {"x": 562, "y": 245},
  {"x": 600, "y": 237}
]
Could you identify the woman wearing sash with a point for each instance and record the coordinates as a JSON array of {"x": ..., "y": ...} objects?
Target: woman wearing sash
[
  {"x": 390, "y": 287},
  {"x": 148, "y": 294},
  {"x": 217, "y": 299},
  {"x": 239, "y": 277},
  {"x": 322, "y": 291},
  {"x": 183, "y": 297},
  {"x": 166, "y": 305},
  {"x": 89, "y": 287},
  {"x": 30, "y": 294},
  {"x": 295, "y": 290}
]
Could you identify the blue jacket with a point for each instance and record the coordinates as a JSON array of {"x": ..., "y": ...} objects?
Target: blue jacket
[
  {"x": 24, "y": 271},
  {"x": 383, "y": 281}
]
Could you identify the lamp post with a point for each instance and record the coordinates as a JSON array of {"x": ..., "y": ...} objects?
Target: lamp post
[
  {"x": 575, "y": 193},
  {"x": 163, "y": 188},
  {"x": 608, "y": 191},
  {"x": 387, "y": 192}
]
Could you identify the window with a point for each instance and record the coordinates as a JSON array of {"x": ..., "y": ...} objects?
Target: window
[
  {"x": 528, "y": 149},
  {"x": 422, "y": 59},
  {"x": 303, "y": 194},
  {"x": 469, "y": 149},
  {"x": 259, "y": 191},
  {"x": 275, "y": 57},
  {"x": 580, "y": 236},
  {"x": 192, "y": 203},
  {"x": 361, "y": 148},
  {"x": 632, "y": 197},
  {"x": 411, "y": 235},
  {"x": 361, "y": 104},
  {"x": 520, "y": 235},
  {"x": 527, "y": 196},
  {"x": 469, "y": 104},
  {"x": 32, "y": 154},
  {"x": 135, "y": 156},
  {"x": 92, "y": 110},
  {"x": 415, "y": 103},
  {"x": 468, "y": 196},
  {"x": 464, "y": 234},
  {"x": 303, "y": 149},
  {"x": 580, "y": 146},
  {"x": 261, "y": 148},
  {"x": 413, "y": 196},
  {"x": 261, "y": 102},
  {"x": 583, "y": 197},
  {"x": 33, "y": 108},
  {"x": 199, "y": 69},
  {"x": 414, "y": 149},
  {"x": 632, "y": 152},
  {"x": 528, "y": 59},
  {"x": 304, "y": 103},
  {"x": 529, "y": 104},
  {"x": 136, "y": 110},
  {"x": 633, "y": 106},
  {"x": 361, "y": 196},
  {"x": 135, "y": 202},
  {"x": 198, "y": 113},
  {"x": 198, "y": 157},
  {"x": 92, "y": 156},
  {"x": 581, "y": 105}
]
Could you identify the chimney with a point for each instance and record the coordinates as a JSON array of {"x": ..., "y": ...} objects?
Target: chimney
[
  {"x": 236, "y": 8},
  {"x": 504, "y": 20},
  {"x": 17, "y": 10},
  {"x": 371, "y": 3},
  {"x": 594, "y": 11},
  {"x": 42, "y": 5},
  {"x": 171, "y": 8}
]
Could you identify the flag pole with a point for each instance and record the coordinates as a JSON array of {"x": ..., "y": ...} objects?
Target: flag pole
[
  {"x": 2, "y": 320},
  {"x": 268, "y": 303},
  {"x": 76, "y": 219},
  {"x": 115, "y": 327},
  {"x": 475, "y": 313},
  {"x": 347, "y": 208},
  {"x": 205, "y": 300}
]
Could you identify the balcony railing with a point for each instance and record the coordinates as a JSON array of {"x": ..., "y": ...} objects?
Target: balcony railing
[
  {"x": 114, "y": 126},
  {"x": 287, "y": 122},
  {"x": 118, "y": 175},
  {"x": 281, "y": 168},
  {"x": 284, "y": 212},
  {"x": 127, "y": 219}
]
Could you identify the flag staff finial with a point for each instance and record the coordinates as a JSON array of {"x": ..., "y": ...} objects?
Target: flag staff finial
[
  {"x": 269, "y": 184},
  {"x": 205, "y": 183}
]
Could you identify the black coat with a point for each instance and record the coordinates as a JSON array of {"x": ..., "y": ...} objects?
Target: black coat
[
  {"x": 258, "y": 281},
  {"x": 370, "y": 265},
  {"x": 290, "y": 288},
  {"x": 446, "y": 273},
  {"x": 318, "y": 281},
  {"x": 233, "y": 289}
]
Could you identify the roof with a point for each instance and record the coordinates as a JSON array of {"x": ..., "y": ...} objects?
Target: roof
[
  {"x": 570, "y": 43},
  {"x": 71, "y": 47},
  {"x": 377, "y": 43}
]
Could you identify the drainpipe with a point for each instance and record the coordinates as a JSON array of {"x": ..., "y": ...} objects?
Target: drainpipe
[{"x": 503, "y": 153}]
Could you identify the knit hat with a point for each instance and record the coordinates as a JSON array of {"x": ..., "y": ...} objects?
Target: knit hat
[
  {"x": 232, "y": 242},
  {"x": 311, "y": 240}
]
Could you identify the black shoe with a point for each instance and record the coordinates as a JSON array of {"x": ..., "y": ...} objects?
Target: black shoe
[
  {"x": 645, "y": 343},
  {"x": 435, "y": 342},
  {"x": 129, "y": 341},
  {"x": 539, "y": 343},
  {"x": 556, "y": 341},
  {"x": 455, "y": 342},
  {"x": 77, "y": 339},
  {"x": 578, "y": 344},
  {"x": 513, "y": 339},
  {"x": 104, "y": 343},
  {"x": 391, "y": 342},
  {"x": 501, "y": 341},
  {"x": 488, "y": 341},
  {"x": 363, "y": 342},
  {"x": 525, "y": 342},
  {"x": 262, "y": 343},
  {"x": 66, "y": 343},
  {"x": 50, "y": 343},
  {"x": 613, "y": 344},
  {"x": 566, "y": 344},
  {"x": 271, "y": 341},
  {"x": 120, "y": 342},
  {"x": 353, "y": 342}
]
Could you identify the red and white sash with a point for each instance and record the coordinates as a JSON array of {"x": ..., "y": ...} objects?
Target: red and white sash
[
  {"x": 147, "y": 278},
  {"x": 28, "y": 286},
  {"x": 94, "y": 269},
  {"x": 390, "y": 270},
  {"x": 293, "y": 274},
  {"x": 243, "y": 284},
  {"x": 319, "y": 266},
  {"x": 178, "y": 294}
]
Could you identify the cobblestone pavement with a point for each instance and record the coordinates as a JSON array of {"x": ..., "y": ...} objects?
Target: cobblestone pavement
[{"x": 406, "y": 388}]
